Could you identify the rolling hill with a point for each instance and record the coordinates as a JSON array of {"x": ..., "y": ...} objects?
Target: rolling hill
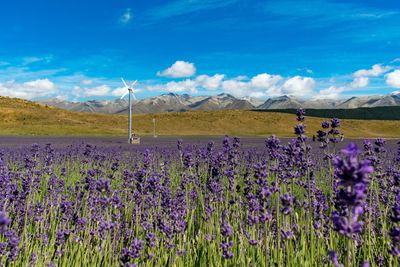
[{"x": 21, "y": 117}]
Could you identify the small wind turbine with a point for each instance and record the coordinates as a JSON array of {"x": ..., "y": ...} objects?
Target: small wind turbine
[{"x": 129, "y": 91}]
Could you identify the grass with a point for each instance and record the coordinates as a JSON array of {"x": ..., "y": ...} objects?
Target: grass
[{"x": 21, "y": 117}]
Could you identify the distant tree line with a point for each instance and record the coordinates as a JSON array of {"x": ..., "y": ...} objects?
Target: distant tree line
[{"x": 376, "y": 113}]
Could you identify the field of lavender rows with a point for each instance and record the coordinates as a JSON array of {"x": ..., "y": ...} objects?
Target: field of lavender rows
[{"x": 315, "y": 200}]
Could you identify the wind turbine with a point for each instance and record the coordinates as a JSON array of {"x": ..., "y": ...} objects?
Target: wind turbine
[{"x": 129, "y": 91}]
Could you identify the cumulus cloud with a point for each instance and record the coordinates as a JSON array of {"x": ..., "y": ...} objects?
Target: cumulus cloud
[
  {"x": 180, "y": 69},
  {"x": 101, "y": 90},
  {"x": 298, "y": 86},
  {"x": 120, "y": 91},
  {"x": 187, "y": 85},
  {"x": 28, "y": 90},
  {"x": 265, "y": 80},
  {"x": 375, "y": 71},
  {"x": 258, "y": 86},
  {"x": 182, "y": 86},
  {"x": 210, "y": 82},
  {"x": 393, "y": 79},
  {"x": 360, "y": 82},
  {"x": 331, "y": 92},
  {"x": 126, "y": 17},
  {"x": 235, "y": 87}
]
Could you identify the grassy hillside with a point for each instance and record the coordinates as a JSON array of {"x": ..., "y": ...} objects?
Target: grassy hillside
[{"x": 20, "y": 117}]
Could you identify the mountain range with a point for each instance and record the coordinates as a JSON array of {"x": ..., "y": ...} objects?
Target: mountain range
[{"x": 175, "y": 102}]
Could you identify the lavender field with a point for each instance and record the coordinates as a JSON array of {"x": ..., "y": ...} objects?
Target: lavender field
[{"x": 201, "y": 201}]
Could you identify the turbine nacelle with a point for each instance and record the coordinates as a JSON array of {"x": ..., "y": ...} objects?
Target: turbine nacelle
[{"x": 129, "y": 88}]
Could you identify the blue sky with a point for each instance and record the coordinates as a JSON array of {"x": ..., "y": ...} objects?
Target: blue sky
[{"x": 309, "y": 49}]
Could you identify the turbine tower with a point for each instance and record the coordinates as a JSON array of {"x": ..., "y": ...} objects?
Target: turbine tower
[
  {"x": 132, "y": 139},
  {"x": 154, "y": 127}
]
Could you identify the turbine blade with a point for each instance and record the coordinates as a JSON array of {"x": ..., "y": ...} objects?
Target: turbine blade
[
  {"x": 134, "y": 97},
  {"x": 134, "y": 83},
  {"x": 124, "y": 94},
  {"x": 124, "y": 82}
]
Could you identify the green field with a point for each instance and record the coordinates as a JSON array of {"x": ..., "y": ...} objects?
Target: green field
[{"x": 21, "y": 117}]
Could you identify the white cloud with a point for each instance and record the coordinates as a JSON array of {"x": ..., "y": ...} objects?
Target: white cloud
[
  {"x": 393, "y": 79},
  {"x": 61, "y": 97},
  {"x": 299, "y": 86},
  {"x": 126, "y": 17},
  {"x": 182, "y": 86},
  {"x": 28, "y": 90},
  {"x": 44, "y": 84},
  {"x": 210, "y": 82},
  {"x": 257, "y": 94},
  {"x": 187, "y": 85},
  {"x": 101, "y": 90},
  {"x": 265, "y": 80},
  {"x": 375, "y": 71},
  {"x": 258, "y": 86},
  {"x": 180, "y": 69},
  {"x": 120, "y": 91},
  {"x": 360, "y": 82},
  {"x": 332, "y": 92},
  {"x": 235, "y": 87},
  {"x": 261, "y": 85}
]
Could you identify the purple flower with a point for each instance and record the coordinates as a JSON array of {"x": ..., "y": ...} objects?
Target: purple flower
[
  {"x": 299, "y": 129},
  {"x": 287, "y": 203},
  {"x": 396, "y": 210},
  {"x": 334, "y": 259},
  {"x": 227, "y": 249},
  {"x": 273, "y": 145},
  {"x": 134, "y": 251},
  {"x": 398, "y": 152},
  {"x": 300, "y": 114},
  {"x": 395, "y": 231},
  {"x": 335, "y": 123},
  {"x": 325, "y": 124},
  {"x": 4, "y": 222},
  {"x": 226, "y": 229},
  {"x": 348, "y": 227},
  {"x": 353, "y": 178}
]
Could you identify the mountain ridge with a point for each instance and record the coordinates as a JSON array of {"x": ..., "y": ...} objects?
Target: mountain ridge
[{"x": 171, "y": 102}]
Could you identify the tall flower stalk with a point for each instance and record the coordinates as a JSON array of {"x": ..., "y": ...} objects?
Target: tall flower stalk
[{"x": 353, "y": 175}]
